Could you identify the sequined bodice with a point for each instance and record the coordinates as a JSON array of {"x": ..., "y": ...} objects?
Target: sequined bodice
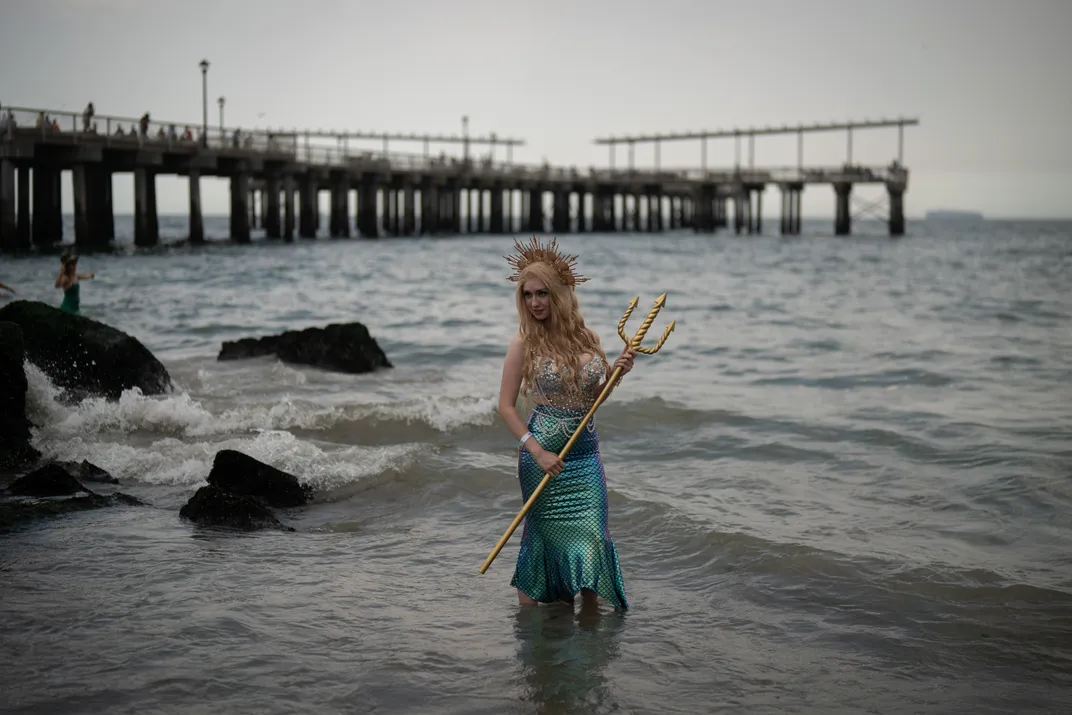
[{"x": 550, "y": 385}]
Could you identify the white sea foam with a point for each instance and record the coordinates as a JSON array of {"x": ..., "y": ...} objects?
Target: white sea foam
[
  {"x": 445, "y": 414},
  {"x": 173, "y": 439},
  {"x": 171, "y": 461},
  {"x": 181, "y": 415}
]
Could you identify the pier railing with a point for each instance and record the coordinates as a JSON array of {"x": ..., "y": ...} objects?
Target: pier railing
[
  {"x": 65, "y": 127},
  {"x": 62, "y": 127}
]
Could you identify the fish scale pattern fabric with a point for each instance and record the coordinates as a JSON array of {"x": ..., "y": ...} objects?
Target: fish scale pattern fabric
[{"x": 566, "y": 543}]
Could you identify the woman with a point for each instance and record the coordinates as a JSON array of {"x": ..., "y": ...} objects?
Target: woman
[
  {"x": 68, "y": 281},
  {"x": 558, "y": 363}
]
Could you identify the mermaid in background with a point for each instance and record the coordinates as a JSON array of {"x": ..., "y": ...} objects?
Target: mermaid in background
[
  {"x": 68, "y": 280},
  {"x": 558, "y": 363}
]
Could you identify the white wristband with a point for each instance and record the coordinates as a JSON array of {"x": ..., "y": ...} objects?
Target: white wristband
[{"x": 524, "y": 437}]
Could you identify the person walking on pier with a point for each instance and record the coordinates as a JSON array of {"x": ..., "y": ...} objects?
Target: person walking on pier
[
  {"x": 87, "y": 117},
  {"x": 68, "y": 280}
]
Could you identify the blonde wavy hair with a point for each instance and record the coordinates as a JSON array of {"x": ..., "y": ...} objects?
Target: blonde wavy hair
[{"x": 561, "y": 337}]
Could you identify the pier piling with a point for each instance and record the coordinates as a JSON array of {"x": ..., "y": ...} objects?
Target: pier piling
[
  {"x": 288, "y": 207},
  {"x": 307, "y": 218},
  {"x": 340, "y": 206},
  {"x": 759, "y": 208},
  {"x": 270, "y": 207},
  {"x": 896, "y": 199},
  {"x": 535, "y": 215},
  {"x": 497, "y": 216},
  {"x": 146, "y": 226},
  {"x": 240, "y": 206},
  {"x": 8, "y": 216},
  {"x": 197, "y": 223},
  {"x": 842, "y": 215},
  {"x": 428, "y": 208},
  {"x": 409, "y": 196},
  {"x": 367, "y": 221},
  {"x": 560, "y": 212},
  {"x": 47, "y": 212},
  {"x": 24, "y": 219},
  {"x": 99, "y": 205},
  {"x": 790, "y": 218},
  {"x": 83, "y": 237}
]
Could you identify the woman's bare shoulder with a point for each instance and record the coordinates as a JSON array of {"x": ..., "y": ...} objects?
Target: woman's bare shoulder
[{"x": 516, "y": 346}]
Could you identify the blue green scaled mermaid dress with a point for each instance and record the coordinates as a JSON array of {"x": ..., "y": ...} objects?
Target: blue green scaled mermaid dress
[
  {"x": 566, "y": 543},
  {"x": 70, "y": 302}
]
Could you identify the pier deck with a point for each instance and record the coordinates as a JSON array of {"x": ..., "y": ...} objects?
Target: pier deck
[{"x": 396, "y": 194}]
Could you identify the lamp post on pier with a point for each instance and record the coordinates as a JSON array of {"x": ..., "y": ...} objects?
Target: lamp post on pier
[
  {"x": 220, "y": 101},
  {"x": 204, "y": 102}
]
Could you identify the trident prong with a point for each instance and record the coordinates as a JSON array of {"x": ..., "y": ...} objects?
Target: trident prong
[
  {"x": 666, "y": 334},
  {"x": 635, "y": 341},
  {"x": 625, "y": 318}
]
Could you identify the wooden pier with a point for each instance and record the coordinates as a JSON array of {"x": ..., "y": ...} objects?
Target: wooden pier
[{"x": 276, "y": 178}]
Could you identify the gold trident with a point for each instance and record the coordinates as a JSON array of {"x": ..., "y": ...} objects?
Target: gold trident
[{"x": 612, "y": 382}]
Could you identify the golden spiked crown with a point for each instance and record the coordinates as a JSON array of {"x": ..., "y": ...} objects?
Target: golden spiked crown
[{"x": 534, "y": 252}]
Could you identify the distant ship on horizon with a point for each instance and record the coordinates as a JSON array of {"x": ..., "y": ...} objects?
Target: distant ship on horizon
[{"x": 953, "y": 215}]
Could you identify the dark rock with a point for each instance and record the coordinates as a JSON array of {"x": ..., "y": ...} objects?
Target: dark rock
[
  {"x": 239, "y": 493},
  {"x": 17, "y": 511},
  {"x": 15, "y": 449},
  {"x": 344, "y": 347},
  {"x": 88, "y": 472},
  {"x": 212, "y": 506},
  {"x": 53, "y": 489},
  {"x": 126, "y": 499},
  {"x": 51, "y": 480},
  {"x": 241, "y": 474},
  {"x": 249, "y": 347},
  {"x": 84, "y": 357}
]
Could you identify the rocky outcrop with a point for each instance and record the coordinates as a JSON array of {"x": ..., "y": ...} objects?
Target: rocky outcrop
[
  {"x": 52, "y": 491},
  {"x": 88, "y": 472},
  {"x": 60, "y": 478},
  {"x": 239, "y": 473},
  {"x": 15, "y": 512},
  {"x": 84, "y": 357},
  {"x": 342, "y": 347},
  {"x": 15, "y": 449},
  {"x": 51, "y": 480},
  {"x": 241, "y": 491},
  {"x": 212, "y": 506}
]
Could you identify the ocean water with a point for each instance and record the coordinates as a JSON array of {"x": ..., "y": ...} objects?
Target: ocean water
[{"x": 844, "y": 485}]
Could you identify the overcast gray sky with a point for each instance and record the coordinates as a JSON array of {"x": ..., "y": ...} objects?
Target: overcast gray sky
[{"x": 989, "y": 79}]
